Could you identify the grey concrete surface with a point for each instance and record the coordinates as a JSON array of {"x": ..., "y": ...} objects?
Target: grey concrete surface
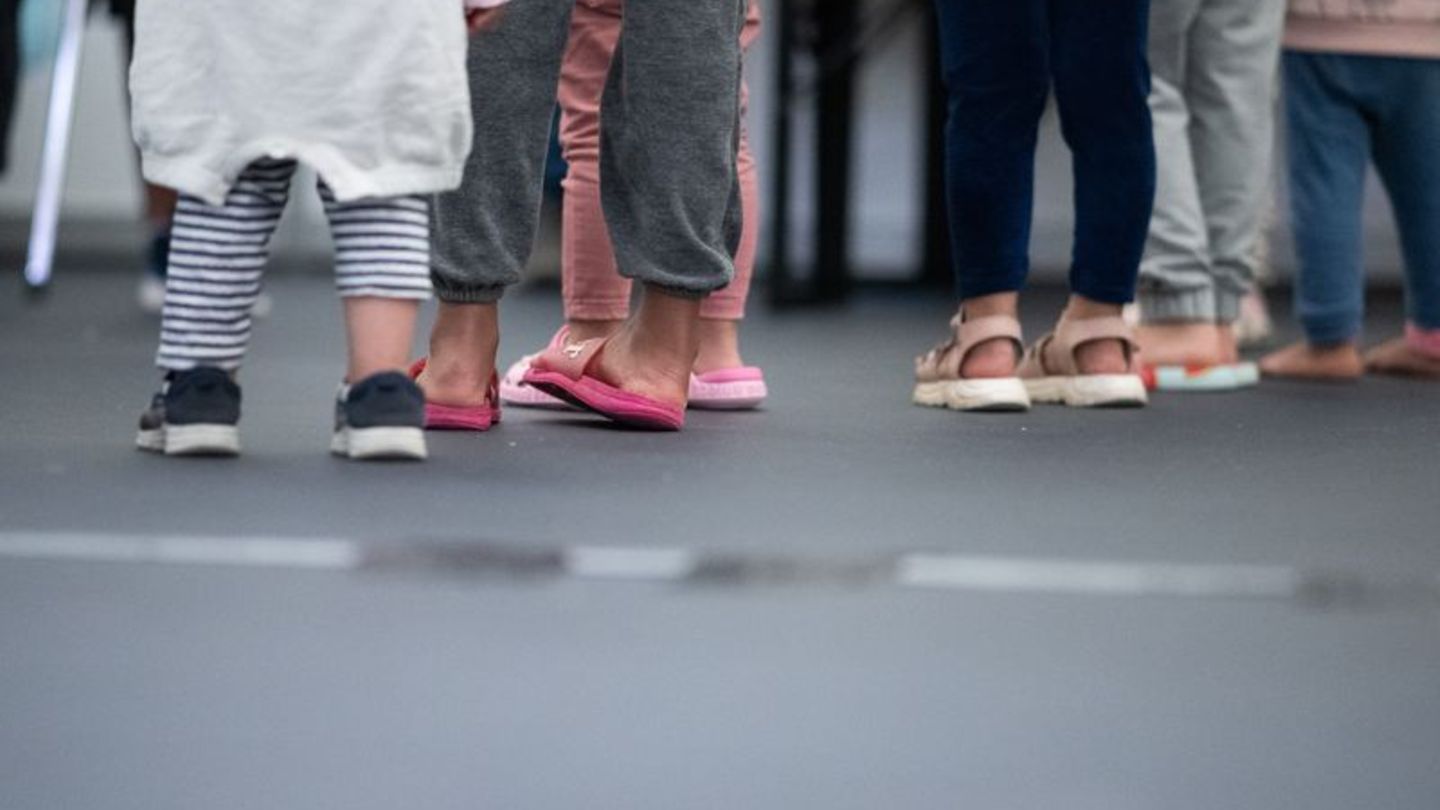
[{"x": 138, "y": 686}]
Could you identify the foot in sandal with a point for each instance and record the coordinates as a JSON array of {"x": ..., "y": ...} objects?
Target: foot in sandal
[
  {"x": 720, "y": 382},
  {"x": 637, "y": 377},
  {"x": 974, "y": 370},
  {"x": 1193, "y": 356},
  {"x": 1089, "y": 361}
]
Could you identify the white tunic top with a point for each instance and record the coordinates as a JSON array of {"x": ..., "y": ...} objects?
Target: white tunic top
[{"x": 370, "y": 93}]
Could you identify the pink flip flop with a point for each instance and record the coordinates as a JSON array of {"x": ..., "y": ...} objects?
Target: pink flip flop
[
  {"x": 514, "y": 391},
  {"x": 728, "y": 389},
  {"x": 478, "y": 418},
  {"x": 562, "y": 373}
]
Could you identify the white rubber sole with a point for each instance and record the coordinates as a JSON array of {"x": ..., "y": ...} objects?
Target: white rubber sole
[
  {"x": 191, "y": 440},
  {"x": 380, "y": 443},
  {"x": 1090, "y": 391},
  {"x": 986, "y": 396}
]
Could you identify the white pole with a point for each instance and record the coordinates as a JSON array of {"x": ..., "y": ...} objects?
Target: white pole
[{"x": 59, "y": 120}]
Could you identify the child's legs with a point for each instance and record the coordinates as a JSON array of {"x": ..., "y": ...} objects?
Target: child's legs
[
  {"x": 1329, "y": 149},
  {"x": 593, "y": 287},
  {"x": 1175, "y": 278},
  {"x": 1407, "y": 154},
  {"x": 382, "y": 268},
  {"x": 1236, "y": 47},
  {"x": 217, "y": 258},
  {"x": 729, "y": 304},
  {"x": 1102, "y": 82},
  {"x": 995, "y": 66}
]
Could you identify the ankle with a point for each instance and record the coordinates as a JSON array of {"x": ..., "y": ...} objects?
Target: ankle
[
  {"x": 463, "y": 345},
  {"x": 719, "y": 346},
  {"x": 1004, "y": 304},
  {"x": 582, "y": 330},
  {"x": 1080, "y": 308}
]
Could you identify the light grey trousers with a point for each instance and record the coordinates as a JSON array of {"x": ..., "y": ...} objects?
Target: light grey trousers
[
  {"x": 1214, "y": 65},
  {"x": 670, "y": 124}
]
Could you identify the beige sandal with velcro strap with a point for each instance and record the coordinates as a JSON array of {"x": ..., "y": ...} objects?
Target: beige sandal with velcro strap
[
  {"x": 1052, "y": 374},
  {"x": 938, "y": 383}
]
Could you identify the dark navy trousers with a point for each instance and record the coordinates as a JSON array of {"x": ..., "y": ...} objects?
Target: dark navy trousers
[{"x": 1001, "y": 58}]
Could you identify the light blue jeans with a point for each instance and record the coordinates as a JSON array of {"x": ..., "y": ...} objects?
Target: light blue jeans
[{"x": 1345, "y": 111}]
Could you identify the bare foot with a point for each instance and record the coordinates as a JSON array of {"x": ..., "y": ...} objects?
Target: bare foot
[
  {"x": 719, "y": 346},
  {"x": 1303, "y": 361},
  {"x": 1184, "y": 344},
  {"x": 1254, "y": 326},
  {"x": 463, "y": 344},
  {"x": 1397, "y": 357},
  {"x": 654, "y": 352}
]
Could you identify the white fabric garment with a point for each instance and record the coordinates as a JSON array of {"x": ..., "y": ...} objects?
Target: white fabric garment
[{"x": 372, "y": 94}]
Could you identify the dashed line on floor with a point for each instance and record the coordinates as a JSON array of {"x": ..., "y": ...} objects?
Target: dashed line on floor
[{"x": 670, "y": 565}]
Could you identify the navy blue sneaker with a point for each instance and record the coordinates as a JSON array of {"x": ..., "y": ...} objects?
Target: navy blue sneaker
[
  {"x": 380, "y": 417},
  {"x": 195, "y": 413}
]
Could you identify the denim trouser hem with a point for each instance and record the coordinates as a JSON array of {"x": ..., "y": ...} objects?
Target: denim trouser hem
[{"x": 1330, "y": 331}]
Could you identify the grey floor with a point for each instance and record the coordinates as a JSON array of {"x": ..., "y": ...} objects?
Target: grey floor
[{"x": 183, "y": 686}]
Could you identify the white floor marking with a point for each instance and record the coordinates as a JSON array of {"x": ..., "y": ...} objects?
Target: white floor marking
[
  {"x": 249, "y": 552},
  {"x": 1014, "y": 575},
  {"x": 662, "y": 564},
  {"x": 953, "y": 572}
]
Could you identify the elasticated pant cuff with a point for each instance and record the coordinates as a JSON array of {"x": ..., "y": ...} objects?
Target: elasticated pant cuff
[
  {"x": 1160, "y": 306},
  {"x": 461, "y": 294}
]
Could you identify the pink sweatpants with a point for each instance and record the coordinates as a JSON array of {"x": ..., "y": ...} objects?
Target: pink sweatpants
[{"x": 594, "y": 289}]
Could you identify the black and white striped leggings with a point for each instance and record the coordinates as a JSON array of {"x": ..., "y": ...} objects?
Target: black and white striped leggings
[{"x": 218, "y": 256}]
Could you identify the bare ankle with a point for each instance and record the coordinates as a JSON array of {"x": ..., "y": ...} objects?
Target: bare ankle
[
  {"x": 581, "y": 330},
  {"x": 719, "y": 345}
]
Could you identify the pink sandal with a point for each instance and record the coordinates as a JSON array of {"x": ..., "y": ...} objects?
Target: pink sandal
[
  {"x": 563, "y": 373},
  {"x": 728, "y": 389},
  {"x": 479, "y": 418},
  {"x": 514, "y": 391}
]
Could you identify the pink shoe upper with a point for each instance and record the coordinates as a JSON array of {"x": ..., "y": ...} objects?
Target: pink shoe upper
[
  {"x": 478, "y": 418},
  {"x": 565, "y": 373}
]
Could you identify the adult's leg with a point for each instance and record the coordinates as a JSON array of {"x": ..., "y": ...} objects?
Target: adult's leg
[
  {"x": 1329, "y": 150},
  {"x": 995, "y": 64},
  {"x": 217, "y": 259},
  {"x": 669, "y": 185},
  {"x": 1406, "y": 133},
  {"x": 1102, "y": 83},
  {"x": 485, "y": 230}
]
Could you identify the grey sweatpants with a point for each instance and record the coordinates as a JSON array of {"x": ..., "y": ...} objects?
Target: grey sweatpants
[
  {"x": 1214, "y": 65},
  {"x": 670, "y": 123}
]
